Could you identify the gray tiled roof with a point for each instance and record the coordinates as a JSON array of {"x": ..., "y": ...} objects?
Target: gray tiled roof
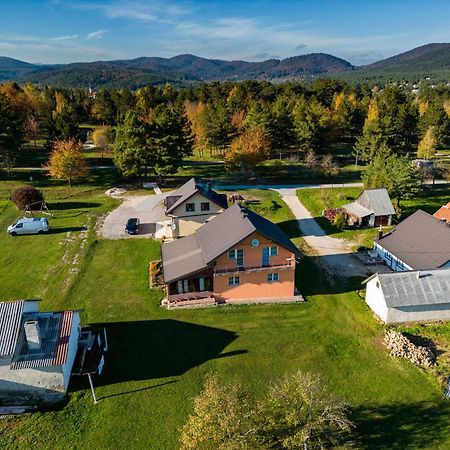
[
  {"x": 196, "y": 252},
  {"x": 415, "y": 288},
  {"x": 188, "y": 190},
  {"x": 421, "y": 241}
]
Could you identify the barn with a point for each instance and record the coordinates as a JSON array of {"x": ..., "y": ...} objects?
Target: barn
[{"x": 411, "y": 296}]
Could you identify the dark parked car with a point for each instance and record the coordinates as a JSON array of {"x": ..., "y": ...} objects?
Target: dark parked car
[{"x": 132, "y": 226}]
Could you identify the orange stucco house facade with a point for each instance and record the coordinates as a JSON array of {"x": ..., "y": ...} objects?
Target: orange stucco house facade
[{"x": 237, "y": 257}]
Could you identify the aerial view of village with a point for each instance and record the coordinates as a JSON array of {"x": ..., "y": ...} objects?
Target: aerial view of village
[{"x": 224, "y": 225}]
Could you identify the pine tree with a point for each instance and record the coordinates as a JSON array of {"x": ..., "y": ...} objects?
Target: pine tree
[{"x": 131, "y": 152}]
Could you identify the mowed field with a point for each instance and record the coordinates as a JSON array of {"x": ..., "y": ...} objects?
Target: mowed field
[{"x": 158, "y": 359}]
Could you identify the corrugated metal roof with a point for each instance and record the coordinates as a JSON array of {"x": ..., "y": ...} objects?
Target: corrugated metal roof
[
  {"x": 10, "y": 317},
  {"x": 378, "y": 201},
  {"x": 55, "y": 333},
  {"x": 371, "y": 201},
  {"x": 415, "y": 288},
  {"x": 357, "y": 210},
  {"x": 420, "y": 241},
  {"x": 188, "y": 190},
  {"x": 196, "y": 252}
]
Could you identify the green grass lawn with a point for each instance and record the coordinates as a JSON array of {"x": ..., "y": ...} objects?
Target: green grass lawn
[
  {"x": 314, "y": 200},
  {"x": 158, "y": 359}
]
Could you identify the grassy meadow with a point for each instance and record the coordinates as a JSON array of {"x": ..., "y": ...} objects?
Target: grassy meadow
[
  {"x": 158, "y": 359},
  {"x": 316, "y": 200}
]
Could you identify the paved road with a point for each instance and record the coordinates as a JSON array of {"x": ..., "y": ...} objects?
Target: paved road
[
  {"x": 334, "y": 254},
  {"x": 147, "y": 208}
]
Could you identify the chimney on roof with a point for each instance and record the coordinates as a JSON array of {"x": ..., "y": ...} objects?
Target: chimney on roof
[
  {"x": 33, "y": 334},
  {"x": 380, "y": 233},
  {"x": 418, "y": 274},
  {"x": 208, "y": 186}
]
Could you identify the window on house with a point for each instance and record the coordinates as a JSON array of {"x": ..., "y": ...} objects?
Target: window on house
[
  {"x": 271, "y": 277},
  {"x": 190, "y": 207},
  {"x": 388, "y": 256},
  {"x": 234, "y": 281},
  {"x": 238, "y": 255},
  {"x": 205, "y": 206},
  {"x": 273, "y": 251}
]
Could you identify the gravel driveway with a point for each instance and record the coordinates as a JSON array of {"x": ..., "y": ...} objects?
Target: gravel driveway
[
  {"x": 147, "y": 208},
  {"x": 335, "y": 254}
]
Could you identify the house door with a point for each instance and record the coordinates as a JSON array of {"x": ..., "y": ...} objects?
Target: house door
[{"x": 265, "y": 256}]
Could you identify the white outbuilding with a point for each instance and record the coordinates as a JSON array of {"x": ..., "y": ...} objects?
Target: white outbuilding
[
  {"x": 37, "y": 352},
  {"x": 411, "y": 296}
]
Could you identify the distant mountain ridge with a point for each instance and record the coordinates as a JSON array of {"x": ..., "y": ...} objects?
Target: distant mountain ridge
[
  {"x": 436, "y": 56},
  {"x": 180, "y": 69}
]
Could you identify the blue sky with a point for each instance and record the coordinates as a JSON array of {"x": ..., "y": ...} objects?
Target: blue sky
[{"x": 61, "y": 31}]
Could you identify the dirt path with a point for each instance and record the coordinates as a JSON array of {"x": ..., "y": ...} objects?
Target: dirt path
[{"x": 334, "y": 254}]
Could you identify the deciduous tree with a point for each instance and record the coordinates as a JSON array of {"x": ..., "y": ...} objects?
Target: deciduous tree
[
  {"x": 427, "y": 145},
  {"x": 103, "y": 138},
  {"x": 221, "y": 420},
  {"x": 67, "y": 161},
  {"x": 248, "y": 150},
  {"x": 299, "y": 413}
]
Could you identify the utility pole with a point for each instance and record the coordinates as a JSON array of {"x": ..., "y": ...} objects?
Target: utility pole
[{"x": 92, "y": 388}]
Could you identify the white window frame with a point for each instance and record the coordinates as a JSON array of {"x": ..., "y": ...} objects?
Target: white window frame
[
  {"x": 273, "y": 277},
  {"x": 234, "y": 281},
  {"x": 233, "y": 254}
]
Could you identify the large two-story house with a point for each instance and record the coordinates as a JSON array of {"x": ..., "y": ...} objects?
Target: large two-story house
[
  {"x": 191, "y": 206},
  {"x": 237, "y": 257}
]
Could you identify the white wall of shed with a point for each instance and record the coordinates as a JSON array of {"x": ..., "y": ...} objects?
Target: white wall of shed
[
  {"x": 375, "y": 299},
  {"x": 422, "y": 313}
]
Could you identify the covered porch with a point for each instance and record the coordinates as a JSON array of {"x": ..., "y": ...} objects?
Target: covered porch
[{"x": 193, "y": 290}]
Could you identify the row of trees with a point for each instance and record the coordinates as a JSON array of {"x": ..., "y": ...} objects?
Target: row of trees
[{"x": 245, "y": 123}]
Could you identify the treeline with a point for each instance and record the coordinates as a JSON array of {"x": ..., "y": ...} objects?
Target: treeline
[{"x": 245, "y": 122}]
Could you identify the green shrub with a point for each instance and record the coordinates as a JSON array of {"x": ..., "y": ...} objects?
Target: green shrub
[{"x": 339, "y": 221}]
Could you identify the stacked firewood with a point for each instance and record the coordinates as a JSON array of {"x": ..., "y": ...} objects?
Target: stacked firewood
[{"x": 401, "y": 346}]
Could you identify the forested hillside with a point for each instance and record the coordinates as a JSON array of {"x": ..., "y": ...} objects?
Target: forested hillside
[{"x": 428, "y": 61}]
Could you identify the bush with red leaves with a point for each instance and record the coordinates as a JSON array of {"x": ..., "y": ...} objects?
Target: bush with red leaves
[{"x": 27, "y": 196}]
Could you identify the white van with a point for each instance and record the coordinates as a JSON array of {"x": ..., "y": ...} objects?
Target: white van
[{"x": 32, "y": 225}]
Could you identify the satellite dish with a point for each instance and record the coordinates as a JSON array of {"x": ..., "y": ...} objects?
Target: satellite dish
[
  {"x": 173, "y": 226},
  {"x": 255, "y": 243}
]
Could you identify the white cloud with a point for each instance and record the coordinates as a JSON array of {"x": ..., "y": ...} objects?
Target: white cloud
[
  {"x": 7, "y": 45},
  {"x": 65, "y": 38},
  {"x": 142, "y": 11},
  {"x": 96, "y": 34}
]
